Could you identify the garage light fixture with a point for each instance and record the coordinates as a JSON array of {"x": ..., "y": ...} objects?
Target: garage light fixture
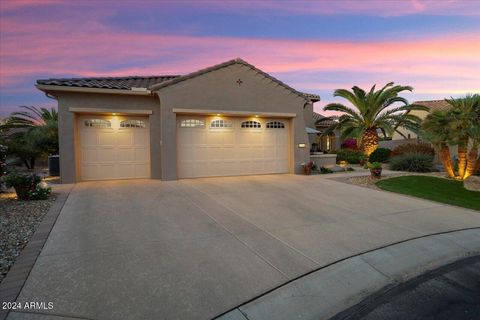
[{"x": 302, "y": 145}]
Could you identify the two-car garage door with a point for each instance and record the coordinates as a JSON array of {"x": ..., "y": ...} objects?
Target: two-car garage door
[{"x": 219, "y": 146}]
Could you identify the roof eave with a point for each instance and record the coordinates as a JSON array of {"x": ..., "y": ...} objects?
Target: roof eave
[{"x": 53, "y": 88}]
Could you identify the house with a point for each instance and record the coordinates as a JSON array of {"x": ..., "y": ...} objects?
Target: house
[
  {"x": 228, "y": 119},
  {"x": 433, "y": 105}
]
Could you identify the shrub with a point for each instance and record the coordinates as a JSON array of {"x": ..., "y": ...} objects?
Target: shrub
[
  {"x": 374, "y": 165},
  {"x": 324, "y": 170},
  {"x": 413, "y": 162},
  {"x": 23, "y": 183},
  {"x": 351, "y": 156},
  {"x": 380, "y": 155},
  {"x": 349, "y": 144},
  {"x": 41, "y": 192},
  {"x": 423, "y": 148}
]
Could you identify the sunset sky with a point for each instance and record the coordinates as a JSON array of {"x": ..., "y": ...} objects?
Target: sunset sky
[{"x": 315, "y": 47}]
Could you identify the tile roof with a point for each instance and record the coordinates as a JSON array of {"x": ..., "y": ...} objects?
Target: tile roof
[
  {"x": 121, "y": 83},
  {"x": 157, "y": 82},
  {"x": 317, "y": 116},
  {"x": 434, "y": 105}
]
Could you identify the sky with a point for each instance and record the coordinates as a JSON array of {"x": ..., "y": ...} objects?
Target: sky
[{"x": 313, "y": 46}]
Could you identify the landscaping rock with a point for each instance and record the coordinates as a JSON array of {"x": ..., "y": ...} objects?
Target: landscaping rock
[
  {"x": 18, "y": 221},
  {"x": 472, "y": 183},
  {"x": 337, "y": 169}
]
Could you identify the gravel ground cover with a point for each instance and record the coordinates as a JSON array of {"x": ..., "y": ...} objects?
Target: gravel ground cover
[{"x": 18, "y": 221}]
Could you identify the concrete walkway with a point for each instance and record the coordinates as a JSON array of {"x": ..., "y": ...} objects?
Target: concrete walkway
[{"x": 193, "y": 249}]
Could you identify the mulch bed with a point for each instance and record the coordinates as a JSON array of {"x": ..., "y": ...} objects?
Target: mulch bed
[{"x": 18, "y": 221}]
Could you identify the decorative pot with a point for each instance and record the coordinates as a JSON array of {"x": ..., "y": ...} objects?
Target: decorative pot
[
  {"x": 23, "y": 191},
  {"x": 376, "y": 173}
]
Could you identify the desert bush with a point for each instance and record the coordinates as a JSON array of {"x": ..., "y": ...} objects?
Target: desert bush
[
  {"x": 423, "y": 148},
  {"x": 413, "y": 162},
  {"x": 351, "y": 156},
  {"x": 380, "y": 155}
]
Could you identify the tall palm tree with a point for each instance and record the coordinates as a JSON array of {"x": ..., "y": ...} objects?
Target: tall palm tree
[{"x": 373, "y": 110}]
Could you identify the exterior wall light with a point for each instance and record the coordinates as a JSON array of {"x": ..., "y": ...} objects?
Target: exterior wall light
[{"x": 302, "y": 145}]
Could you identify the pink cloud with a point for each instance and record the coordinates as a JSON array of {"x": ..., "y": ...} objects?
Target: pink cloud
[{"x": 346, "y": 7}]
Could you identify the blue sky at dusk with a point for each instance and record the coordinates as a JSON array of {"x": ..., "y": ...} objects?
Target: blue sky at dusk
[{"x": 314, "y": 46}]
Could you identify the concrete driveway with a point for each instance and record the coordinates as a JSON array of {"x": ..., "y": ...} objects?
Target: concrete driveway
[{"x": 192, "y": 249}]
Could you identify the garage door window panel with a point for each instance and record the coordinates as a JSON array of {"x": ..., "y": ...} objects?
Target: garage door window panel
[
  {"x": 133, "y": 123},
  {"x": 251, "y": 125},
  {"x": 97, "y": 123},
  {"x": 275, "y": 125},
  {"x": 221, "y": 123},
  {"x": 192, "y": 123}
]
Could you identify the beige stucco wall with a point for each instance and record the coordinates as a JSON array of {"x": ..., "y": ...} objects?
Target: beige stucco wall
[
  {"x": 69, "y": 157},
  {"x": 219, "y": 90},
  {"x": 396, "y": 136}
]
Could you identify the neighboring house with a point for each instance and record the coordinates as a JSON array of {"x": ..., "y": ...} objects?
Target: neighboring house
[
  {"x": 433, "y": 105},
  {"x": 228, "y": 119},
  {"x": 330, "y": 142}
]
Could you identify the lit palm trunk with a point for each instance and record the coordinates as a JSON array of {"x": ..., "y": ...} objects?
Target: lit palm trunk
[
  {"x": 446, "y": 160},
  {"x": 472, "y": 160},
  {"x": 462, "y": 158},
  {"x": 369, "y": 141}
]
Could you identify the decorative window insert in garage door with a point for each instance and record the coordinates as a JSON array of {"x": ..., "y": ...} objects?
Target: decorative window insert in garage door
[
  {"x": 113, "y": 148},
  {"x": 232, "y": 146}
]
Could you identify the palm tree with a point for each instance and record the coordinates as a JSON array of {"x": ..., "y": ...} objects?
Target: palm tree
[
  {"x": 465, "y": 131},
  {"x": 436, "y": 130},
  {"x": 30, "y": 133},
  {"x": 374, "y": 111},
  {"x": 459, "y": 126},
  {"x": 30, "y": 117}
]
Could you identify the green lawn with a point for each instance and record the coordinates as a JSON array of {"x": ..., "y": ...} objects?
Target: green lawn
[{"x": 431, "y": 188}]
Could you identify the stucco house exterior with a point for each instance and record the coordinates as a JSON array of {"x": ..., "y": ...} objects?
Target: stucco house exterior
[
  {"x": 228, "y": 119},
  {"x": 432, "y": 105}
]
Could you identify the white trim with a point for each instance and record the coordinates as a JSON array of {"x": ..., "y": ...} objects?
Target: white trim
[
  {"x": 110, "y": 111},
  {"x": 233, "y": 113},
  {"x": 45, "y": 87}
]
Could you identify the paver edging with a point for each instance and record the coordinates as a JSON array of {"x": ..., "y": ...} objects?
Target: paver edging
[
  {"x": 13, "y": 282},
  {"x": 307, "y": 296}
]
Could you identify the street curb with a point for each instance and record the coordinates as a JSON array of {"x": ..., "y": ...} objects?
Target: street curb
[
  {"x": 331, "y": 289},
  {"x": 12, "y": 284}
]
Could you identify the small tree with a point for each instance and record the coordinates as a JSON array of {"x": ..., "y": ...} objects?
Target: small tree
[{"x": 459, "y": 126}]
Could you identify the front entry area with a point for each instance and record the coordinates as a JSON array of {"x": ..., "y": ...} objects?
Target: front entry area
[
  {"x": 115, "y": 147},
  {"x": 210, "y": 146}
]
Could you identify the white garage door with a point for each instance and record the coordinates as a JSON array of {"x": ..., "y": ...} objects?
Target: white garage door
[
  {"x": 114, "y": 148},
  {"x": 214, "y": 146}
]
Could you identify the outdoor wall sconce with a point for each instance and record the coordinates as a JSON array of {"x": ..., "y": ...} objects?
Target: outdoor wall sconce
[{"x": 302, "y": 145}]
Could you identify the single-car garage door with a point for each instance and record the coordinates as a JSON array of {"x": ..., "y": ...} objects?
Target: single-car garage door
[
  {"x": 219, "y": 146},
  {"x": 113, "y": 148}
]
